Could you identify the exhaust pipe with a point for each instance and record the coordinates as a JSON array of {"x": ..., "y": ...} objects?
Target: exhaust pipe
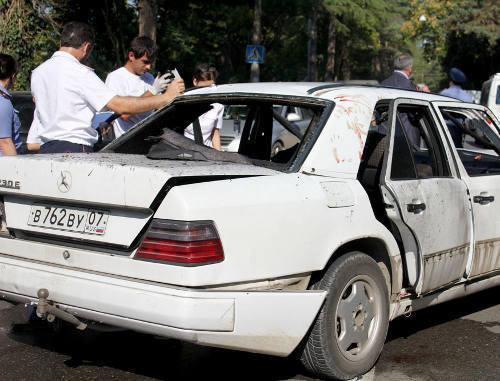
[{"x": 48, "y": 312}]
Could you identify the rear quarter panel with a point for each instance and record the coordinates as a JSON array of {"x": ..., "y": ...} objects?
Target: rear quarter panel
[{"x": 272, "y": 226}]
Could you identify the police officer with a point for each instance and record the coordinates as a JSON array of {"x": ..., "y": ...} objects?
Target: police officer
[
  {"x": 455, "y": 90},
  {"x": 133, "y": 79},
  {"x": 68, "y": 94},
  {"x": 10, "y": 141}
]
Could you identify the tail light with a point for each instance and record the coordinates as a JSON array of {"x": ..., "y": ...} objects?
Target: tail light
[{"x": 186, "y": 242}]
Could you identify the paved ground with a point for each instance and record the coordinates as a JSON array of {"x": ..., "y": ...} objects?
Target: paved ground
[{"x": 457, "y": 340}]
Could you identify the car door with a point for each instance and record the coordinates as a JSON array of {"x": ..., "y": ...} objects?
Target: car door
[
  {"x": 424, "y": 197},
  {"x": 479, "y": 165}
]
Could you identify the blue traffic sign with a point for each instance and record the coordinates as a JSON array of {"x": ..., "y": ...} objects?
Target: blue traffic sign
[{"x": 255, "y": 54}]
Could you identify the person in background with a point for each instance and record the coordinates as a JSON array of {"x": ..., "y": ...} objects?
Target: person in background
[
  {"x": 10, "y": 141},
  {"x": 423, "y": 87},
  {"x": 133, "y": 79},
  {"x": 457, "y": 79},
  {"x": 68, "y": 94},
  {"x": 211, "y": 122},
  {"x": 400, "y": 78}
]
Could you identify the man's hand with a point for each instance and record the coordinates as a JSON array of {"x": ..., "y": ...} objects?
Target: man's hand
[
  {"x": 175, "y": 89},
  {"x": 104, "y": 128},
  {"x": 161, "y": 83},
  {"x": 137, "y": 105}
]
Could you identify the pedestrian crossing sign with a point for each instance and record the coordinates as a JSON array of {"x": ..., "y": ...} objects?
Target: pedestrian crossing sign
[{"x": 255, "y": 54}]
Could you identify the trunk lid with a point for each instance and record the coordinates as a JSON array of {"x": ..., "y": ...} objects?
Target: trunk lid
[{"x": 121, "y": 191}]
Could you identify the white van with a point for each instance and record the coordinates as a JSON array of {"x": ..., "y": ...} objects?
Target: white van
[{"x": 490, "y": 94}]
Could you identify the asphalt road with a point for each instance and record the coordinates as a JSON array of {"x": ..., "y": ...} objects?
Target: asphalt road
[{"x": 456, "y": 340}]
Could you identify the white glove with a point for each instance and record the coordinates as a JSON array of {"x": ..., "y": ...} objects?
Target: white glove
[{"x": 161, "y": 82}]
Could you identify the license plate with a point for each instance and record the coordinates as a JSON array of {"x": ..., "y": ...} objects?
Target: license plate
[{"x": 90, "y": 221}]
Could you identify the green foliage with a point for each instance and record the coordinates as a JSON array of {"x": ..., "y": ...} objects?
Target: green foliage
[
  {"x": 461, "y": 33},
  {"x": 24, "y": 34},
  {"x": 367, "y": 35},
  {"x": 194, "y": 32},
  {"x": 114, "y": 23},
  {"x": 476, "y": 56}
]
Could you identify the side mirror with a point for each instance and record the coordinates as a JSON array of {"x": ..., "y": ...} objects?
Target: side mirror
[{"x": 293, "y": 117}]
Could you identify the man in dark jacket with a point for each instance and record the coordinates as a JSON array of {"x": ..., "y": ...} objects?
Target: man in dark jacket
[{"x": 400, "y": 78}]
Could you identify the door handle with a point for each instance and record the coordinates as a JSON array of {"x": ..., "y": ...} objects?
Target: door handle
[
  {"x": 415, "y": 208},
  {"x": 483, "y": 200}
]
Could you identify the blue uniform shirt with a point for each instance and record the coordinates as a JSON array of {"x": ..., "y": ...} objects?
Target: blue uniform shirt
[
  {"x": 9, "y": 120},
  {"x": 457, "y": 92}
]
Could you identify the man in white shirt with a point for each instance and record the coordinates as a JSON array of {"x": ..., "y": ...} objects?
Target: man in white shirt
[
  {"x": 68, "y": 94},
  {"x": 133, "y": 79}
]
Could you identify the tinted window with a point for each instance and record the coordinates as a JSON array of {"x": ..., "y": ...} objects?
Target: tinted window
[
  {"x": 403, "y": 166},
  {"x": 498, "y": 95}
]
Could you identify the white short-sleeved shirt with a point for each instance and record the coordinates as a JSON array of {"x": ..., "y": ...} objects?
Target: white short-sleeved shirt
[
  {"x": 33, "y": 134},
  {"x": 127, "y": 84},
  {"x": 67, "y": 95},
  {"x": 209, "y": 121}
]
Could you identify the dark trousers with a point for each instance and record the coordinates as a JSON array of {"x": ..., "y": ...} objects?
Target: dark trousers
[{"x": 62, "y": 146}]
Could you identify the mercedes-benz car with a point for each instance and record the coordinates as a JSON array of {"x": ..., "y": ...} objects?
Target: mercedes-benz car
[{"x": 388, "y": 202}]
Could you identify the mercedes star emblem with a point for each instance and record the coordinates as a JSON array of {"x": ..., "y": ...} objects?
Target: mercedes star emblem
[{"x": 64, "y": 182}]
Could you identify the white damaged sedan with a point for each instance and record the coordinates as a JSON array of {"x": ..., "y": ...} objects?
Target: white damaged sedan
[{"x": 388, "y": 202}]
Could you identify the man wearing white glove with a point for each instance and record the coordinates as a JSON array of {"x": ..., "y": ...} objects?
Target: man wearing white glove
[{"x": 133, "y": 79}]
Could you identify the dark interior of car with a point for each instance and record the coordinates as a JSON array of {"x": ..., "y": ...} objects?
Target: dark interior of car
[{"x": 478, "y": 146}]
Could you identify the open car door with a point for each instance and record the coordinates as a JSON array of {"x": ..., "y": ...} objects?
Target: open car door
[{"x": 424, "y": 197}]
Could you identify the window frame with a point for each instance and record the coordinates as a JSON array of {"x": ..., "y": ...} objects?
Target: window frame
[
  {"x": 437, "y": 105},
  {"x": 443, "y": 149}
]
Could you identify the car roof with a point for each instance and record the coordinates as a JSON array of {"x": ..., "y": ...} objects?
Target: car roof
[{"x": 315, "y": 90}]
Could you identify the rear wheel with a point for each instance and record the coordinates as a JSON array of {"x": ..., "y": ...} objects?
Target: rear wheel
[{"x": 349, "y": 332}]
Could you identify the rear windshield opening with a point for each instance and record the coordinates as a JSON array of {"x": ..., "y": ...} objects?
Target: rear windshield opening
[{"x": 266, "y": 132}]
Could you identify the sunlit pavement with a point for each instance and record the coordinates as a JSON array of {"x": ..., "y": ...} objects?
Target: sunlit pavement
[{"x": 457, "y": 340}]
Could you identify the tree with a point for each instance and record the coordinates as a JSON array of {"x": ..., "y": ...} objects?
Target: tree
[
  {"x": 463, "y": 33},
  {"x": 25, "y": 33},
  {"x": 148, "y": 11},
  {"x": 330, "y": 50},
  {"x": 114, "y": 23},
  {"x": 354, "y": 36},
  {"x": 312, "y": 44},
  {"x": 256, "y": 38}
]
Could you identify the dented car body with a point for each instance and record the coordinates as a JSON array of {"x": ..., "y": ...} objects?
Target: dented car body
[{"x": 312, "y": 249}]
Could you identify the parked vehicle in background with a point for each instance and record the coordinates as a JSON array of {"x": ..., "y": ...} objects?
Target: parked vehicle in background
[
  {"x": 235, "y": 117},
  {"x": 311, "y": 250},
  {"x": 475, "y": 95},
  {"x": 490, "y": 94}
]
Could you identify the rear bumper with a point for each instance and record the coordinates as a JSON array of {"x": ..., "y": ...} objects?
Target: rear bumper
[{"x": 271, "y": 322}]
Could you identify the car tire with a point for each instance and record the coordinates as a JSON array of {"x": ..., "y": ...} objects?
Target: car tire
[
  {"x": 350, "y": 330},
  {"x": 277, "y": 147}
]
